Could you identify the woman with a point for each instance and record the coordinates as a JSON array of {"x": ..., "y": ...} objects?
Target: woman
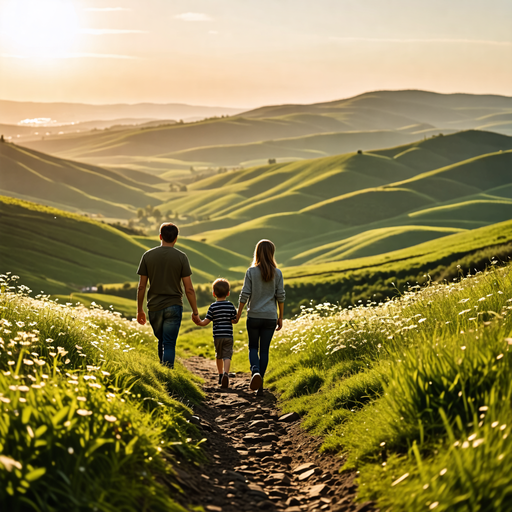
[{"x": 263, "y": 292}]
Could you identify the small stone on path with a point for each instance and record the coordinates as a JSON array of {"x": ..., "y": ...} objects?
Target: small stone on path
[
  {"x": 289, "y": 418},
  {"x": 304, "y": 467},
  {"x": 317, "y": 490}
]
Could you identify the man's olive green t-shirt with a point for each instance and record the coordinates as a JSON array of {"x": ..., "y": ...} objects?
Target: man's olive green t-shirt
[{"x": 165, "y": 267}]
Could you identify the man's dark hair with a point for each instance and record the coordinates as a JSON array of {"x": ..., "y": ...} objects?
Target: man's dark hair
[
  {"x": 221, "y": 288},
  {"x": 169, "y": 232}
]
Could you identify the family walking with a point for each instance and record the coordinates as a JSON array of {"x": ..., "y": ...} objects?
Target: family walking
[{"x": 167, "y": 269}]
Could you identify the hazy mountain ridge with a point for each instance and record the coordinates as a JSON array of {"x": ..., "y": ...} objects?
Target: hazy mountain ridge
[
  {"x": 287, "y": 132},
  {"x": 12, "y": 112}
]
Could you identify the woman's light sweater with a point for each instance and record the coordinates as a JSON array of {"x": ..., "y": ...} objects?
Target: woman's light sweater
[{"x": 262, "y": 297}]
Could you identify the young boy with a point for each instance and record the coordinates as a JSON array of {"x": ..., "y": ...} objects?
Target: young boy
[{"x": 223, "y": 314}]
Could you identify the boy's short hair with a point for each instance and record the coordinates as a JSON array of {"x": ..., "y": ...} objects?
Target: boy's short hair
[
  {"x": 169, "y": 232},
  {"x": 221, "y": 287}
]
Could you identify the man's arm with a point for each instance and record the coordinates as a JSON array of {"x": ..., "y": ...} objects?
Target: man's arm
[
  {"x": 191, "y": 297},
  {"x": 141, "y": 292}
]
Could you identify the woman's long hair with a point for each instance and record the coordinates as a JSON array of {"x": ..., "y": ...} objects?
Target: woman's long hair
[{"x": 264, "y": 259}]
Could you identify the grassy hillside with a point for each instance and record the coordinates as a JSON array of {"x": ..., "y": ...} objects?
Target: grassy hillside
[
  {"x": 61, "y": 252},
  {"x": 92, "y": 420},
  {"x": 74, "y": 186},
  {"x": 414, "y": 393},
  {"x": 388, "y": 273}
]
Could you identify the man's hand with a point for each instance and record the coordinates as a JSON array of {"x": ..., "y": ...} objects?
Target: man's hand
[
  {"x": 279, "y": 324},
  {"x": 196, "y": 318},
  {"x": 141, "y": 317},
  {"x": 235, "y": 320}
]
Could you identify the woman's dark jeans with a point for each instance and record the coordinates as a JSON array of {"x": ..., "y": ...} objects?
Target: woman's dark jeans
[
  {"x": 260, "y": 332},
  {"x": 166, "y": 326}
]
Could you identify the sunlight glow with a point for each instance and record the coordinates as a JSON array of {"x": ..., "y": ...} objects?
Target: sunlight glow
[{"x": 40, "y": 28}]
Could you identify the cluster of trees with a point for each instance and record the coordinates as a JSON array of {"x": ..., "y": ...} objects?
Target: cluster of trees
[
  {"x": 144, "y": 214},
  {"x": 177, "y": 187},
  {"x": 129, "y": 228}
]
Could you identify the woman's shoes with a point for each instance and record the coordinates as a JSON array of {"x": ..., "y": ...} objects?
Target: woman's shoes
[{"x": 256, "y": 382}]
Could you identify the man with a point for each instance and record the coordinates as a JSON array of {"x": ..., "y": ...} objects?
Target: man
[{"x": 166, "y": 268}]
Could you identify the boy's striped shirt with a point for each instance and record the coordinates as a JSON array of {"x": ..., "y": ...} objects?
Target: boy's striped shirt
[{"x": 221, "y": 313}]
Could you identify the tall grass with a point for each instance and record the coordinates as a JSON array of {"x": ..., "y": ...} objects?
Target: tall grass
[
  {"x": 416, "y": 392},
  {"x": 89, "y": 419}
]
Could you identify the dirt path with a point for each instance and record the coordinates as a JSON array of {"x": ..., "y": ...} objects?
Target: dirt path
[{"x": 259, "y": 460}]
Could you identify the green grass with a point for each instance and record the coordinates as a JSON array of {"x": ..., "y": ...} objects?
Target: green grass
[
  {"x": 415, "y": 392},
  {"x": 90, "y": 419}
]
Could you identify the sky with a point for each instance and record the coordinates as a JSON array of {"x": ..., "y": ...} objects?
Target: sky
[{"x": 248, "y": 53}]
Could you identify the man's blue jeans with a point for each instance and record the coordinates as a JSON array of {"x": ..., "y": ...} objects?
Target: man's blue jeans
[
  {"x": 166, "y": 326},
  {"x": 260, "y": 332}
]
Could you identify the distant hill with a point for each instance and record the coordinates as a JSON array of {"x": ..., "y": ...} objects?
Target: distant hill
[
  {"x": 60, "y": 252},
  {"x": 418, "y": 106},
  {"x": 12, "y": 112},
  {"x": 20, "y": 133},
  {"x": 285, "y": 132},
  {"x": 73, "y": 186}
]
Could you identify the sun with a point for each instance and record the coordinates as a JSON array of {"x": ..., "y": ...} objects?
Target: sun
[{"x": 40, "y": 28}]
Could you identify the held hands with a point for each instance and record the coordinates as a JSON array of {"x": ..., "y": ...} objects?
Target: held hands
[
  {"x": 196, "y": 318},
  {"x": 279, "y": 324},
  {"x": 237, "y": 319},
  {"x": 141, "y": 317}
]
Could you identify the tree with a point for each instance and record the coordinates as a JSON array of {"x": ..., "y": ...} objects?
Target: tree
[
  {"x": 2, "y": 138},
  {"x": 271, "y": 160},
  {"x": 140, "y": 213},
  {"x": 183, "y": 188},
  {"x": 149, "y": 210},
  {"x": 157, "y": 214},
  {"x": 359, "y": 152}
]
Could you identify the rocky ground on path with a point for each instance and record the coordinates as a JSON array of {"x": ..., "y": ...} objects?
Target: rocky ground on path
[{"x": 258, "y": 458}]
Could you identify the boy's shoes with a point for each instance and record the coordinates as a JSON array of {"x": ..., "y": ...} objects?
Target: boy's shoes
[
  {"x": 220, "y": 378},
  {"x": 256, "y": 382},
  {"x": 224, "y": 383},
  {"x": 260, "y": 391}
]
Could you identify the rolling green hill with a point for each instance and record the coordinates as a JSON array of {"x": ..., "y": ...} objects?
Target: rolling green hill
[
  {"x": 73, "y": 186},
  {"x": 309, "y": 208},
  {"x": 60, "y": 252},
  {"x": 255, "y": 136}
]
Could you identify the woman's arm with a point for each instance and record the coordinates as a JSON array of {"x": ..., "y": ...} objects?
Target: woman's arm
[
  {"x": 280, "y": 318},
  {"x": 239, "y": 313},
  {"x": 245, "y": 294}
]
